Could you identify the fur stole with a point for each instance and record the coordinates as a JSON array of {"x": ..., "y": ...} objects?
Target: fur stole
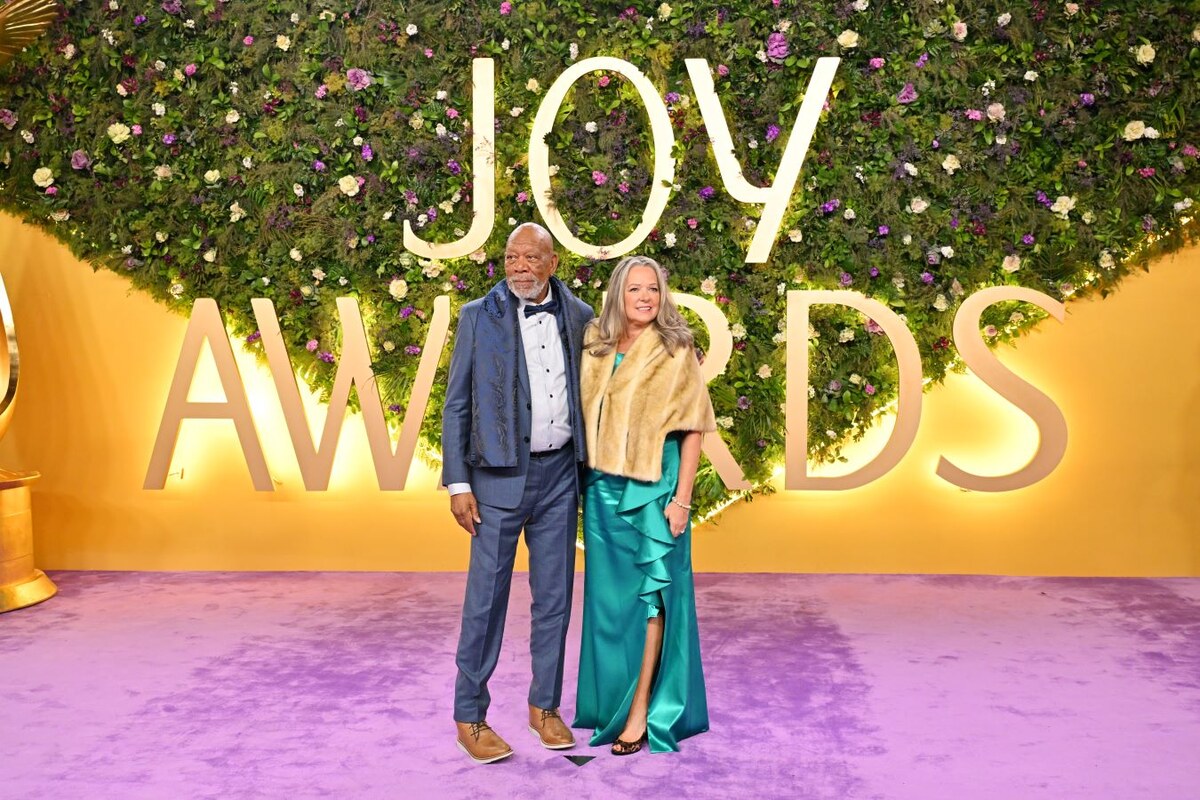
[{"x": 628, "y": 413}]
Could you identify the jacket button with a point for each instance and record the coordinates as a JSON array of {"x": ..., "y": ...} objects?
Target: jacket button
[
  {"x": 526, "y": 440},
  {"x": 529, "y": 406}
]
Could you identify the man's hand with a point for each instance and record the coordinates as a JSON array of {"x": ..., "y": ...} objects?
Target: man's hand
[{"x": 465, "y": 511}]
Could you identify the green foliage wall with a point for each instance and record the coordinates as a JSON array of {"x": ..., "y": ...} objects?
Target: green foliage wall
[{"x": 274, "y": 149}]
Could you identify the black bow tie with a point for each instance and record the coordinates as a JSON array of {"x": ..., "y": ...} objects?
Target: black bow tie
[{"x": 550, "y": 306}]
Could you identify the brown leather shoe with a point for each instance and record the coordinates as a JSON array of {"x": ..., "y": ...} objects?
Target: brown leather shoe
[
  {"x": 547, "y": 725},
  {"x": 481, "y": 743}
]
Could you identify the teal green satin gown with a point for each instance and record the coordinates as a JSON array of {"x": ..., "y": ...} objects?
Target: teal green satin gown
[{"x": 634, "y": 570}]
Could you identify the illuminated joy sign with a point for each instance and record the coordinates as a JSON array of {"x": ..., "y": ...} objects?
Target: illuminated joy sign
[{"x": 393, "y": 460}]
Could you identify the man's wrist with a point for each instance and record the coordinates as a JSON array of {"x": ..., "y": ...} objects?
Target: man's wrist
[{"x": 458, "y": 488}]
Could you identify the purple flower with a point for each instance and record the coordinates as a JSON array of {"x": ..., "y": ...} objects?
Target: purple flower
[
  {"x": 522, "y": 197},
  {"x": 835, "y": 386},
  {"x": 168, "y": 138},
  {"x": 7, "y": 118},
  {"x": 922, "y": 61},
  {"x": 926, "y": 278},
  {"x": 406, "y": 312},
  {"x": 189, "y": 70},
  {"x": 1027, "y": 239},
  {"x": 312, "y": 345},
  {"x": 80, "y": 160},
  {"x": 907, "y": 95},
  {"x": 412, "y": 350},
  {"x": 743, "y": 402},
  {"x": 140, "y": 19},
  {"x": 777, "y": 46},
  {"x": 876, "y": 63},
  {"x": 974, "y": 114},
  {"x": 254, "y": 337},
  {"x": 326, "y": 356},
  {"x": 873, "y": 272},
  {"x": 505, "y": 8},
  {"x": 707, "y": 193},
  {"x": 884, "y": 230},
  {"x": 845, "y": 279},
  {"x": 367, "y": 153},
  {"x": 935, "y": 144},
  {"x": 172, "y": 6},
  {"x": 1149, "y": 223},
  {"x": 319, "y": 166},
  {"x": 772, "y": 132},
  {"x": 1044, "y": 199},
  {"x": 358, "y": 79},
  {"x": 452, "y": 113},
  {"x": 394, "y": 408},
  {"x": 829, "y": 206},
  {"x": 671, "y": 98},
  {"x": 321, "y": 91},
  {"x": 410, "y": 197},
  {"x": 1087, "y": 98},
  {"x": 456, "y": 168},
  {"x": 868, "y": 389}
]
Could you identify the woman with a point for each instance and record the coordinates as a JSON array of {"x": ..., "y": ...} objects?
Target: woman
[{"x": 645, "y": 407}]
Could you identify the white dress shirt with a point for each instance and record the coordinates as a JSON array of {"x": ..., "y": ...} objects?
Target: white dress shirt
[{"x": 550, "y": 413}]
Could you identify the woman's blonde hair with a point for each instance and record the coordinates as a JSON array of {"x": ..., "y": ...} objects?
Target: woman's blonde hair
[{"x": 612, "y": 324}]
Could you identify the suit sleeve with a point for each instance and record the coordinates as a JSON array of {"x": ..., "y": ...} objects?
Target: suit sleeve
[{"x": 456, "y": 413}]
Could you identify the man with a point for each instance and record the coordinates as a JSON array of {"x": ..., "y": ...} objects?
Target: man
[{"x": 512, "y": 446}]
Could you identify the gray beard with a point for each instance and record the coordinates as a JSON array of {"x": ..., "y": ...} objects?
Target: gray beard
[{"x": 529, "y": 294}]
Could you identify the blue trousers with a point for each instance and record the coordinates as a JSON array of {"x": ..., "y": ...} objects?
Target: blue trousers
[{"x": 548, "y": 513}]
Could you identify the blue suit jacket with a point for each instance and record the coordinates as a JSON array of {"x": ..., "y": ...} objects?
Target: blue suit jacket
[{"x": 486, "y": 419}]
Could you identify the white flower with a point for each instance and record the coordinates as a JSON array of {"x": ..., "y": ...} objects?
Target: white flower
[
  {"x": 1016, "y": 318},
  {"x": 212, "y": 176},
  {"x": 247, "y": 162},
  {"x": 959, "y": 30},
  {"x": 761, "y": 55},
  {"x": 159, "y": 109},
  {"x": 69, "y": 52},
  {"x": 1144, "y": 54},
  {"x": 995, "y": 112},
  {"x": 752, "y": 144},
  {"x": 947, "y": 251},
  {"x": 349, "y": 185},
  {"x": 1063, "y": 205},
  {"x": 1184, "y": 204},
  {"x": 265, "y": 280},
  {"x": 505, "y": 44},
  {"x": 1072, "y": 9},
  {"x": 783, "y": 26},
  {"x": 283, "y": 42},
  {"x": 590, "y": 126},
  {"x": 28, "y": 137},
  {"x": 1001, "y": 139},
  {"x": 516, "y": 111},
  {"x": 161, "y": 236},
  {"x": 860, "y": 5},
  {"x": 121, "y": 90},
  {"x": 779, "y": 338},
  {"x": 725, "y": 422},
  {"x": 1031, "y": 75},
  {"x": 43, "y": 177},
  {"x": 846, "y": 335},
  {"x": 764, "y": 371},
  {"x": 1106, "y": 260},
  {"x": 295, "y": 18},
  {"x": 176, "y": 289},
  {"x": 118, "y": 132},
  {"x": 664, "y": 12},
  {"x": 398, "y": 288},
  {"x": 232, "y": 117},
  {"x": 956, "y": 288},
  {"x": 795, "y": 235},
  {"x": 573, "y": 51},
  {"x": 737, "y": 330},
  {"x": 160, "y": 65},
  {"x": 163, "y": 172},
  {"x": 295, "y": 254},
  {"x": 306, "y": 290},
  {"x": 1134, "y": 130},
  {"x": 906, "y": 239},
  {"x": 940, "y": 303},
  {"x": 848, "y": 39},
  {"x": 709, "y": 285},
  {"x": 1011, "y": 263},
  {"x": 297, "y": 190},
  {"x": 1088, "y": 217},
  {"x": 411, "y": 30},
  {"x": 916, "y": 206},
  {"x": 389, "y": 345},
  {"x": 342, "y": 281},
  {"x": 532, "y": 85},
  {"x": 849, "y": 214},
  {"x": 1150, "y": 133},
  {"x": 439, "y": 131},
  {"x": 951, "y": 163},
  {"x": 1003, "y": 20},
  {"x": 210, "y": 255},
  {"x": 318, "y": 274},
  {"x": 236, "y": 212},
  {"x": 669, "y": 239},
  {"x": 910, "y": 168}
]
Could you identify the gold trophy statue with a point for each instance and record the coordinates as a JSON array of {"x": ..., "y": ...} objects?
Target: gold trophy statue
[{"x": 21, "y": 21}]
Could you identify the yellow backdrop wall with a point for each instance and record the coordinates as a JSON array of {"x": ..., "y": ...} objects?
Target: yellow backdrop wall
[{"x": 97, "y": 360}]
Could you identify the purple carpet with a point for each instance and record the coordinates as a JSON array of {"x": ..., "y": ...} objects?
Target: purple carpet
[{"x": 130, "y": 685}]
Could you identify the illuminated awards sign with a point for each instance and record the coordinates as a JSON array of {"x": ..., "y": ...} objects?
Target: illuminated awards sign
[{"x": 392, "y": 461}]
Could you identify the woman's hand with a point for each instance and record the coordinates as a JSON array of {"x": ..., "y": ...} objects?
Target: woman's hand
[{"x": 677, "y": 518}]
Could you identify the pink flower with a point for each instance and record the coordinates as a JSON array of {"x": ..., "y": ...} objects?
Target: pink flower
[
  {"x": 599, "y": 178},
  {"x": 974, "y": 114},
  {"x": 505, "y": 8},
  {"x": 722, "y": 70},
  {"x": 428, "y": 53},
  {"x": 189, "y": 70},
  {"x": 907, "y": 95},
  {"x": 52, "y": 190},
  {"x": 692, "y": 222},
  {"x": 312, "y": 345},
  {"x": 1145, "y": 172},
  {"x": 452, "y": 113},
  {"x": 876, "y": 63},
  {"x": 522, "y": 197},
  {"x": 604, "y": 81},
  {"x": 136, "y": 130},
  {"x": 249, "y": 40},
  {"x": 623, "y": 187},
  {"x": 358, "y": 79},
  {"x": 321, "y": 91}
]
